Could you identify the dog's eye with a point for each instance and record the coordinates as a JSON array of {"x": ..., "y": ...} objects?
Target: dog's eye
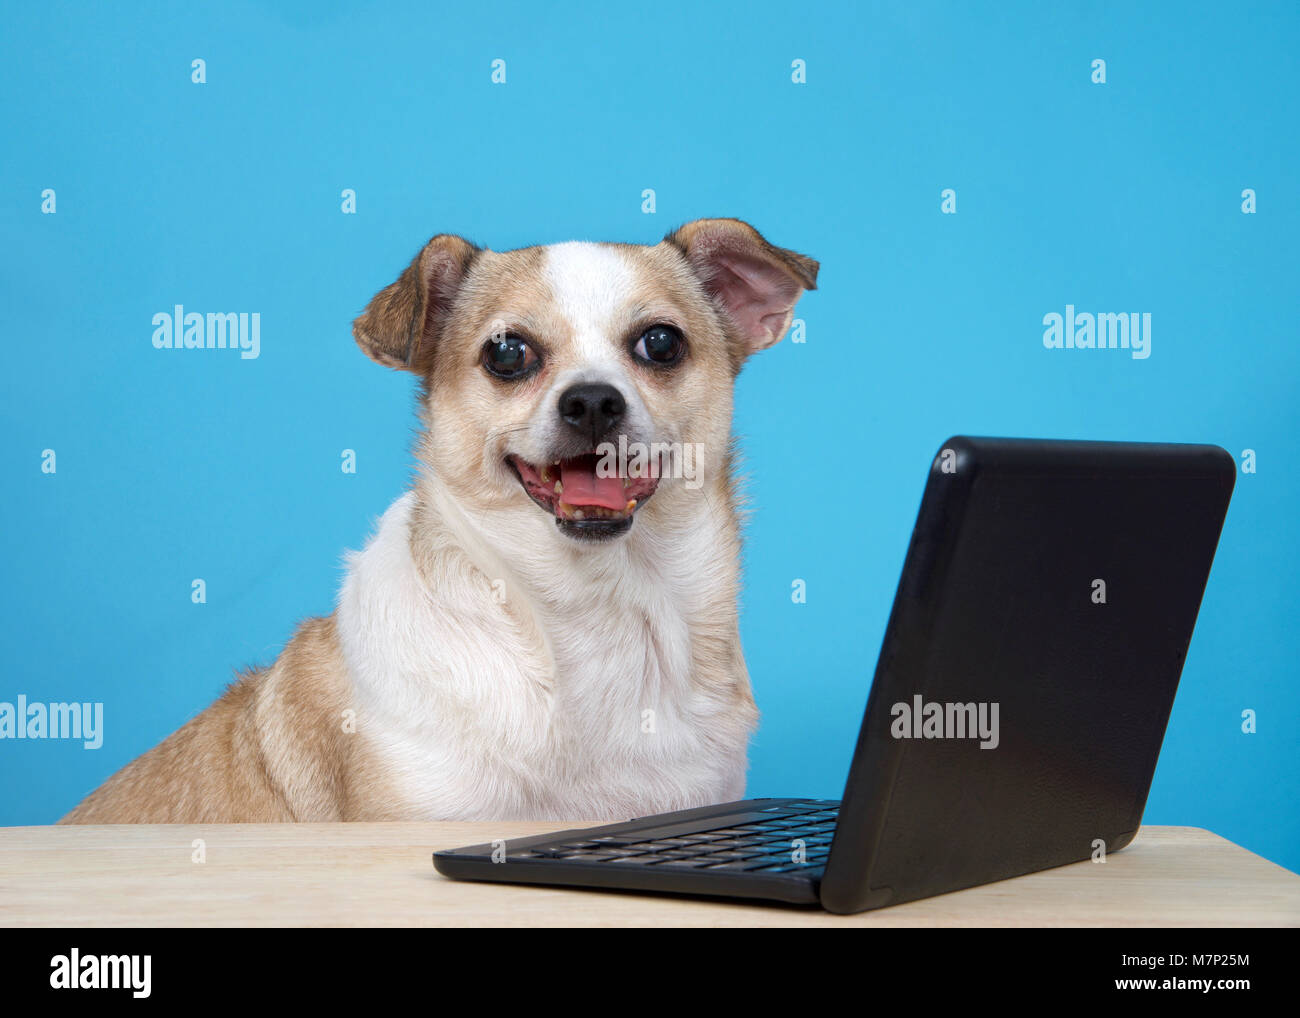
[
  {"x": 508, "y": 357},
  {"x": 660, "y": 344}
]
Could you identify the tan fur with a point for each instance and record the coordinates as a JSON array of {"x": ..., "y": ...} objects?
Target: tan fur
[{"x": 270, "y": 749}]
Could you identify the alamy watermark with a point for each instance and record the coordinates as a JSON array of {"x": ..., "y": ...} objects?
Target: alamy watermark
[
  {"x": 179, "y": 329},
  {"x": 1083, "y": 330},
  {"x": 75, "y": 971},
  {"x": 681, "y": 460},
  {"x": 933, "y": 720},
  {"x": 23, "y": 720}
]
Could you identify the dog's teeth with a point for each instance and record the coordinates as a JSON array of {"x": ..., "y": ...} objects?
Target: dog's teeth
[
  {"x": 559, "y": 488},
  {"x": 578, "y": 514},
  {"x": 631, "y": 504}
]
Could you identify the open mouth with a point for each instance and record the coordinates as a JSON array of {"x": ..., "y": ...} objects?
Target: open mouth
[{"x": 584, "y": 503}]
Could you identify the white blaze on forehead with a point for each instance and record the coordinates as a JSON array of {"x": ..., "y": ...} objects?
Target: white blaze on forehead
[{"x": 592, "y": 285}]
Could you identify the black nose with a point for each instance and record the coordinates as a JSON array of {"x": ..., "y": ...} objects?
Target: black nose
[{"x": 592, "y": 408}]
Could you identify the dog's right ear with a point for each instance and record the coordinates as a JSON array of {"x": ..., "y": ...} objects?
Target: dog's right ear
[{"x": 402, "y": 320}]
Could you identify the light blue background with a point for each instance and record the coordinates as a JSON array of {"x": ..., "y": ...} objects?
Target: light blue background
[{"x": 225, "y": 196}]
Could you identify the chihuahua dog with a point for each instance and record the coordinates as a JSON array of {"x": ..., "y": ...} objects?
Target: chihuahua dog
[{"x": 544, "y": 627}]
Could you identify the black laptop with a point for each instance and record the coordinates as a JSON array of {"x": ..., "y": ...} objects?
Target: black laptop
[{"x": 1021, "y": 696}]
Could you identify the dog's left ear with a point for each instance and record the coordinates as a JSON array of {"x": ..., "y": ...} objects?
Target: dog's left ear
[
  {"x": 401, "y": 322},
  {"x": 756, "y": 283}
]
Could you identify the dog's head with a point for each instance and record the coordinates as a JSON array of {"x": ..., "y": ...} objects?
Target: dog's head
[{"x": 584, "y": 377}]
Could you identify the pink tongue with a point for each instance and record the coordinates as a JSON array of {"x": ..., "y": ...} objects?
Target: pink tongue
[{"x": 583, "y": 487}]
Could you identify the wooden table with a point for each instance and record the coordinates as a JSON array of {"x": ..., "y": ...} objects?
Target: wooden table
[{"x": 381, "y": 875}]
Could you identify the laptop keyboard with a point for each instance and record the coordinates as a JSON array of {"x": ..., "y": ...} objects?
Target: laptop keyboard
[{"x": 791, "y": 838}]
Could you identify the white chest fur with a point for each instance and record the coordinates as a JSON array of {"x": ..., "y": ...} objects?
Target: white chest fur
[{"x": 540, "y": 690}]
